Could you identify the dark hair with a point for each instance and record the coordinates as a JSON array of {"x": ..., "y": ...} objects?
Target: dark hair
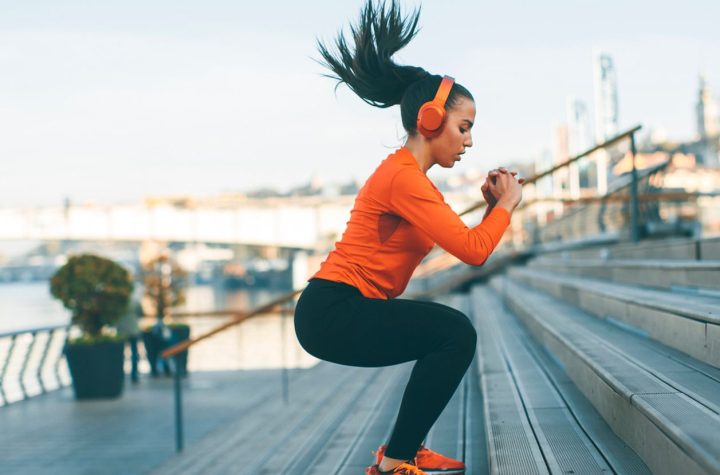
[{"x": 369, "y": 71}]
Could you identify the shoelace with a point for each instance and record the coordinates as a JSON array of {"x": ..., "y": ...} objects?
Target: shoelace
[{"x": 406, "y": 469}]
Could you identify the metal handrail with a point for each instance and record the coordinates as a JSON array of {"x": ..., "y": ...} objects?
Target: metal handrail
[
  {"x": 239, "y": 318},
  {"x": 26, "y": 369},
  {"x": 659, "y": 196},
  {"x": 31, "y": 330},
  {"x": 570, "y": 161}
]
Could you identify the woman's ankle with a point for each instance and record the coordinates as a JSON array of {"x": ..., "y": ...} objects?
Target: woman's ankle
[{"x": 389, "y": 464}]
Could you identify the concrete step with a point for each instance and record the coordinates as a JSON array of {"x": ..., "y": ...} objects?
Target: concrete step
[
  {"x": 663, "y": 404},
  {"x": 671, "y": 248},
  {"x": 536, "y": 421},
  {"x": 681, "y": 275},
  {"x": 689, "y": 323},
  {"x": 460, "y": 430}
]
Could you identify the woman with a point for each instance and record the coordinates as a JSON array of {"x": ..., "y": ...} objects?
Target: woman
[{"x": 348, "y": 313}]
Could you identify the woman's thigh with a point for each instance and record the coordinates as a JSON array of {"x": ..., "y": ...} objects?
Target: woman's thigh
[{"x": 360, "y": 331}]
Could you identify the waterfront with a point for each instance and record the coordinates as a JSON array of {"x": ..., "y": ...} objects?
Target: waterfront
[
  {"x": 262, "y": 343},
  {"x": 29, "y": 304}
]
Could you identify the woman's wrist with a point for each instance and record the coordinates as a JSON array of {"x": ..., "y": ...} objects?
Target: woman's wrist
[{"x": 507, "y": 204}]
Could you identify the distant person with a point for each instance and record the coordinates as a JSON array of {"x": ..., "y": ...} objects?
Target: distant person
[
  {"x": 129, "y": 326},
  {"x": 349, "y": 314}
]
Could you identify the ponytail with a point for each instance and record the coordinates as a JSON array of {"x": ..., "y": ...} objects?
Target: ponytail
[{"x": 369, "y": 71}]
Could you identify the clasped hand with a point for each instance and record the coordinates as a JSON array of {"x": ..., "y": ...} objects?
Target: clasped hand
[{"x": 502, "y": 187}]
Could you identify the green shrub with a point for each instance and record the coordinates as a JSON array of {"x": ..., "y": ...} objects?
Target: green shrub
[{"x": 95, "y": 289}]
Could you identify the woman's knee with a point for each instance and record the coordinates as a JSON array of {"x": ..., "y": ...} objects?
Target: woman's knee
[
  {"x": 462, "y": 333},
  {"x": 469, "y": 340}
]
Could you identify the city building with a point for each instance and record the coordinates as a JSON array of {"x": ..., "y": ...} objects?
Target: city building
[
  {"x": 579, "y": 140},
  {"x": 606, "y": 110},
  {"x": 606, "y": 97},
  {"x": 706, "y": 111}
]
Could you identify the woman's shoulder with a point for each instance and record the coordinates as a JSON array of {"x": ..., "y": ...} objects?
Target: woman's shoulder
[{"x": 394, "y": 164}]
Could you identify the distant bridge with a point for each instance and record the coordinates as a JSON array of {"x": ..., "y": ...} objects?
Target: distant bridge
[
  {"x": 297, "y": 222},
  {"x": 290, "y": 223}
]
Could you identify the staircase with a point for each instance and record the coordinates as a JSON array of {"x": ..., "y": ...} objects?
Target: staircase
[
  {"x": 603, "y": 359},
  {"x": 600, "y": 359}
]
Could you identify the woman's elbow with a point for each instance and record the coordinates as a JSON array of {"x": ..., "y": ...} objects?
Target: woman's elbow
[{"x": 475, "y": 259}]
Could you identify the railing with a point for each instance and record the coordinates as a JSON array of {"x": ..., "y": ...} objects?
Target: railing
[
  {"x": 527, "y": 213},
  {"x": 626, "y": 195},
  {"x": 283, "y": 304},
  {"x": 31, "y": 362}
]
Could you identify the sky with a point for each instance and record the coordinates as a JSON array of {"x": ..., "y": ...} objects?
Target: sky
[{"x": 108, "y": 102}]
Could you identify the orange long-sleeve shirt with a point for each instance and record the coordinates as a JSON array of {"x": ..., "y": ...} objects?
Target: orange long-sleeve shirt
[{"x": 397, "y": 218}]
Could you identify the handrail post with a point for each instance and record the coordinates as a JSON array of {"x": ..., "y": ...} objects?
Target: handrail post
[
  {"x": 28, "y": 354},
  {"x": 284, "y": 373},
  {"x": 634, "y": 205},
  {"x": 51, "y": 334},
  {"x": 178, "y": 404},
  {"x": 5, "y": 367}
]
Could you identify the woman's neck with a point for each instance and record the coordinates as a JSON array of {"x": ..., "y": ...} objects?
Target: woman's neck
[{"x": 418, "y": 146}]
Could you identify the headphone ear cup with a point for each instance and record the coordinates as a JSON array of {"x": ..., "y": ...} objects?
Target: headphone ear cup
[{"x": 430, "y": 119}]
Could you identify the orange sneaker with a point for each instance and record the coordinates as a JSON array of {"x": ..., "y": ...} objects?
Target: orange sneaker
[
  {"x": 427, "y": 459},
  {"x": 402, "y": 469}
]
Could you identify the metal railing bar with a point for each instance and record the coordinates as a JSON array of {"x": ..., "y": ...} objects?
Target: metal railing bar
[
  {"x": 536, "y": 177},
  {"x": 178, "y": 404},
  {"x": 240, "y": 317},
  {"x": 60, "y": 358},
  {"x": 634, "y": 205},
  {"x": 21, "y": 376},
  {"x": 5, "y": 367},
  {"x": 659, "y": 196},
  {"x": 30, "y": 330},
  {"x": 284, "y": 374},
  {"x": 42, "y": 361},
  {"x": 214, "y": 313},
  {"x": 590, "y": 151}
]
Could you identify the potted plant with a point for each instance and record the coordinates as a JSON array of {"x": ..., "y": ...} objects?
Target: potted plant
[
  {"x": 164, "y": 282},
  {"x": 97, "y": 292}
]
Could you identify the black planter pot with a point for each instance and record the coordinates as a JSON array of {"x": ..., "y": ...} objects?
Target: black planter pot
[
  {"x": 155, "y": 344},
  {"x": 97, "y": 369}
]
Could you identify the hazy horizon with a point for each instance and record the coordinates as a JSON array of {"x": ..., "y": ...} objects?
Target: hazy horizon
[{"x": 112, "y": 102}]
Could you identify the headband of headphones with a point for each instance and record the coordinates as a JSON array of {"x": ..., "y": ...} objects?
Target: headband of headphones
[{"x": 431, "y": 115}]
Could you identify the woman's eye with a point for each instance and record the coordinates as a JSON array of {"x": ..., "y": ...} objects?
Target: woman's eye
[{"x": 462, "y": 130}]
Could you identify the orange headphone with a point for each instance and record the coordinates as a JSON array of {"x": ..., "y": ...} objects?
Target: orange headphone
[{"x": 431, "y": 115}]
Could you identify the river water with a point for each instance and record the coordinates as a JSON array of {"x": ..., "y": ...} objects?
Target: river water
[
  {"x": 30, "y": 305},
  {"x": 268, "y": 341}
]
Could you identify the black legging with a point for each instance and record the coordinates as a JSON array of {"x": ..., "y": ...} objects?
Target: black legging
[{"x": 335, "y": 322}]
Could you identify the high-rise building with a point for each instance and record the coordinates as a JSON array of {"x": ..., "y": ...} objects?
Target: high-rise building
[
  {"x": 578, "y": 120},
  {"x": 561, "y": 181},
  {"x": 606, "y": 97},
  {"x": 707, "y": 113},
  {"x": 606, "y": 112},
  {"x": 578, "y": 141}
]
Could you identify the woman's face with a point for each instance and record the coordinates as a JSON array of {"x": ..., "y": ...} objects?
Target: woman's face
[{"x": 456, "y": 135}]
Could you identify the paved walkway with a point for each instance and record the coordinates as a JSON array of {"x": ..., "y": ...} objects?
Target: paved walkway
[{"x": 55, "y": 434}]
